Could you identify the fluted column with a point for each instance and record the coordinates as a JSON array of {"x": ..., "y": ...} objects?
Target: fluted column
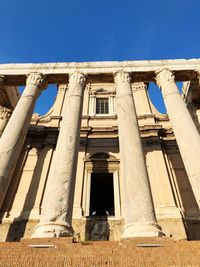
[
  {"x": 57, "y": 208},
  {"x": 186, "y": 133},
  {"x": 138, "y": 207},
  {"x": 13, "y": 137}
]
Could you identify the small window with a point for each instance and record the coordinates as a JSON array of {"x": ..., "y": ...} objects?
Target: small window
[{"x": 102, "y": 106}]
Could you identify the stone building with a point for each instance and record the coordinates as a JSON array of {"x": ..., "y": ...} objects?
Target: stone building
[{"x": 103, "y": 163}]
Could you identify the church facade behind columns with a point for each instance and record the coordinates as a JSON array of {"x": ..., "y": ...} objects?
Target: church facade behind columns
[{"x": 102, "y": 163}]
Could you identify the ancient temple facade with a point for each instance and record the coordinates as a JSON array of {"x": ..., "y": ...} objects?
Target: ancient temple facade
[{"x": 103, "y": 163}]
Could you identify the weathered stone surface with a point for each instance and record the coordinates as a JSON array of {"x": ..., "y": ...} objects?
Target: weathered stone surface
[
  {"x": 185, "y": 131},
  {"x": 56, "y": 214},
  {"x": 139, "y": 219},
  {"x": 14, "y": 135},
  {"x": 100, "y": 231}
]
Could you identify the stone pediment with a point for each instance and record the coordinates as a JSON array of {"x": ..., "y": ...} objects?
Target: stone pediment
[
  {"x": 100, "y": 91},
  {"x": 100, "y": 156}
]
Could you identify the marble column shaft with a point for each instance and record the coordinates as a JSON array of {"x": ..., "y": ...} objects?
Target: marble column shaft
[
  {"x": 138, "y": 207},
  {"x": 14, "y": 135},
  {"x": 57, "y": 207},
  {"x": 186, "y": 133}
]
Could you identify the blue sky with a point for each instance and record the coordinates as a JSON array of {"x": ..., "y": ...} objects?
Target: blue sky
[{"x": 62, "y": 30}]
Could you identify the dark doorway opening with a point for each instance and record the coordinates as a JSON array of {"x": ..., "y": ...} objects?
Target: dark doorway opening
[{"x": 102, "y": 195}]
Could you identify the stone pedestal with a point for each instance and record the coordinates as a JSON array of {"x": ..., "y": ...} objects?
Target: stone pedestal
[
  {"x": 57, "y": 207},
  {"x": 186, "y": 133},
  {"x": 13, "y": 137},
  {"x": 138, "y": 211}
]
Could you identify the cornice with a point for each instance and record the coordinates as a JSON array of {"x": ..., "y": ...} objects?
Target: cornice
[{"x": 142, "y": 70}]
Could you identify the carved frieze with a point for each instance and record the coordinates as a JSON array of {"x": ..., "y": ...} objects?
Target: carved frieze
[
  {"x": 99, "y": 91},
  {"x": 100, "y": 156},
  {"x": 139, "y": 86}
]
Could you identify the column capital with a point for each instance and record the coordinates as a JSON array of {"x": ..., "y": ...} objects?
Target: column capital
[
  {"x": 197, "y": 72},
  {"x": 5, "y": 113},
  {"x": 2, "y": 78},
  {"x": 37, "y": 79},
  {"x": 122, "y": 76},
  {"x": 77, "y": 77},
  {"x": 164, "y": 75},
  {"x": 196, "y": 80}
]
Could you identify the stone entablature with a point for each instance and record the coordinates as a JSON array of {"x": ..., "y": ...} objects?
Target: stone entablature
[
  {"x": 46, "y": 171},
  {"x": 143, "y": 70}
]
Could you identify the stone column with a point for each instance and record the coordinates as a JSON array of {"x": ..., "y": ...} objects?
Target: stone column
[
  {"x": 139, "y": 213},
  {"x": 57, "y": 208},
  {"x": 13, "y": 137},
  {"x": 5, "y": 114},
  {"x": 186, "y": 133}
]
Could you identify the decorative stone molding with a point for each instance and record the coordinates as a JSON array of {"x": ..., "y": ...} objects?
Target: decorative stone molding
[
  {"x": 100, "y": 156},
  {"x": 37, "y": 79},
  {"x": 139, "y": 86},
  {"x": 99, "y": 91},
  {"x": 63, "y": 87},
  {"x": 5, "y": 113},
  {"x": 77, "y": 77},
  {"x": 121, "y": 77},
  {"x": 2, "y": 78},
  {"x": 164, "y": 75}
]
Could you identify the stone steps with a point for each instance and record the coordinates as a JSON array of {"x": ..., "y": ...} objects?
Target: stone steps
[{"x": 137, "y": 252}]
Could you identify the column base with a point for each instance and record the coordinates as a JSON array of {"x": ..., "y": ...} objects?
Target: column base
[
  {"x": 141, "y": 230},
  {"x": 51, "y": 229}
]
